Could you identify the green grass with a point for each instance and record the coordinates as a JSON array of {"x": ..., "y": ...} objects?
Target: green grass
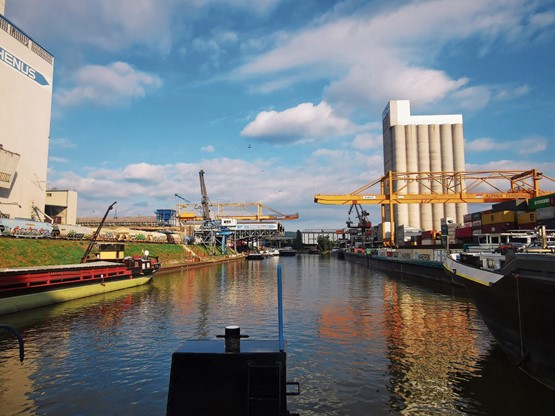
[{"x": 16, "y": 252}]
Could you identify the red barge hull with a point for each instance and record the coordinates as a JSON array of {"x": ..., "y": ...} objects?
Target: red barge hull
[{"x": 31, "y": 287}]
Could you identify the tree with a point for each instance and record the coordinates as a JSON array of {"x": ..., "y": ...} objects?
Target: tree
[
  {"x": 325, "y": 244},
  {"x": 298, "y": 243}
]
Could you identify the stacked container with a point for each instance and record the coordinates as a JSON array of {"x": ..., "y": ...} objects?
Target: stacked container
[
  {"x": 476, "y": 218},
  {"x": 497, "y": 222},
  {"x": 544, "y": 208},
  {"x": 527, "y": 221}
]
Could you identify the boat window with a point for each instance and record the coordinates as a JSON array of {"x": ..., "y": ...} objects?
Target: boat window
[{"x": 490, "y": 263}]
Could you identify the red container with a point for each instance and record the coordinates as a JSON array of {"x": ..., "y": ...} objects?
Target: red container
[
  {"x": 528, "y": 226},
  {"x": 463, "y": 232},
  {"x": 498, "y": 228}
]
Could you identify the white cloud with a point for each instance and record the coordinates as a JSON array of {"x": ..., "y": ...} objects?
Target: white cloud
[
  {"x": 368, "y": 141},
  {"x": 483, "y": 144},
  {"x": 62, "y": 143},
  {"x": 143, "y": 173},
  {"x": 209, "y": 148},
  {"x": 378, "y": 57},
  {"x": 57, "y": 159},
  {"x": 152, "y": 186},
  {"x": 111, "y": 25},
  {"x": 303, "y": 122},
  {"x": 512, "y": 92},
  {"x": 110, "y": 85},
  {"x": 115, "y": 25},
  {"x": 532, "y": 145},
  {"x": 526, "y": 146}
]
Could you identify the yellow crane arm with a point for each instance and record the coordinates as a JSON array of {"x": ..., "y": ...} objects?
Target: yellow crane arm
[{"x": 394, "y": 198}]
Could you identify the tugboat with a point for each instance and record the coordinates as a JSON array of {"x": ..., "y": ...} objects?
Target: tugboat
[{"x": 514, "y": 293}]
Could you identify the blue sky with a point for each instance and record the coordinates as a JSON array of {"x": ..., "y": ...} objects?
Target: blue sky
[{"x": 280, "y": 99}]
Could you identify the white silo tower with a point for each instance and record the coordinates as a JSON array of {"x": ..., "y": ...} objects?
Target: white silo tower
[{"x": 424, "y": 144}]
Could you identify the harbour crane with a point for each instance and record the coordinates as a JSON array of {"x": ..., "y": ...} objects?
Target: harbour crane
[
  {"x": 242, "y": 211},
  {"x": 95, "y": 234},
  {"x": 204, "y": 201},
  {"x": 439, "y": 188},
  {"x": 180, "y": 197},
  {"x": 182, "y": 213}
]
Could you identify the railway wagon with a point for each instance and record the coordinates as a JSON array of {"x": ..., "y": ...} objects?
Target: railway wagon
[{"x": 24, "y": 228}]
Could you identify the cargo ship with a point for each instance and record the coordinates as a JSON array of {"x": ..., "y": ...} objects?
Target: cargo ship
[
  {"x": 23, "y": 288},
  {"x": 103, "y": 268},
  {"x": 514, "y": 294},
  {"x": 421, "y": 253},
  {"x": 423, "y": 262}
]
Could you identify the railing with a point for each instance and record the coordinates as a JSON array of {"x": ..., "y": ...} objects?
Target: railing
[{"x": 21, "y": 37}]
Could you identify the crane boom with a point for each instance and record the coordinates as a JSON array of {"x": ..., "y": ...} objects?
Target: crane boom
[
  {"x": 242, "y": 211},
  {"x": 205, "y": 202},
  {"x": 440, "y": 188},
  {"x": 456, "y": 187},
  {"x": 95, "y": 235},
  {"x": 180, "y": 197}
]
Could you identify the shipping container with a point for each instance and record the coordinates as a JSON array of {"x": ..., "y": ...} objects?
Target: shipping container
[
  {"x": 498, "y": 227},
  {"x": 476, "y": 216},
  {"x": 433, "y": 234},
  {"x": 546, "y": 213},
  {"x": 467, "y": 218},
  {"x": 498, "y": 217},
  {"x": 549, "y": 224},
  {"x": 514, "y": 205},
  {"x": 463, "y": 232},
  {"x": 477, "y": 224},
  {"x": 541, "y": 202},
  {"x": 527, "y": 226},
  {"x": 447, "y": 220},
  {"x": 526, "y": 218}
]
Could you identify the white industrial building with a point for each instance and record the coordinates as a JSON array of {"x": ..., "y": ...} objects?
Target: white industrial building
[
  {"x": 26, "y": 76},
  {"x": 433, "y": 143}
]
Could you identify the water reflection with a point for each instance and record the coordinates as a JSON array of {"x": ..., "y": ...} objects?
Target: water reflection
[
  {"x": 360, "y": 343},
  {"x": 432, "y": 341}
]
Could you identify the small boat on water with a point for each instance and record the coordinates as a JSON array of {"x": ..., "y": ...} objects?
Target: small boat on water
[
  {"x": 514, "y": 294},
  {"x": 255, "y": 256},
  {"x": 287, "y": 251}
]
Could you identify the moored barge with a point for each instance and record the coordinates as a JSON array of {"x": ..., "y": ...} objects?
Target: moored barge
[
  {"x": 426, "y": 263},
  {"x": 24, "y": 288},
  {"x": 514, "y": 294}
]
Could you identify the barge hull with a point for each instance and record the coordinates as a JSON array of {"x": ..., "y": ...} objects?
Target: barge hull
[
  {"x": 425, "y": 269},
  {"x": 36, "y": 300},
  {"x": 518, "y": 310}
]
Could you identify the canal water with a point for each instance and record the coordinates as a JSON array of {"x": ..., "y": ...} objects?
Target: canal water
[{"x": 360, "y": 342}]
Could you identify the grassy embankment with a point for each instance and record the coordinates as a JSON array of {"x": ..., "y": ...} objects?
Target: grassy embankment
[{"x": 16, "y": 252}]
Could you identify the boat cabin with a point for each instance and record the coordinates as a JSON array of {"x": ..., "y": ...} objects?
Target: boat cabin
[{"x": 109, "y": 252}]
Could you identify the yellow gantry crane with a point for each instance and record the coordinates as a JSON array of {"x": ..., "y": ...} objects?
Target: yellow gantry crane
[
  {"x": 442, "y": 187},
  {"x": 242, "y": 211}
]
